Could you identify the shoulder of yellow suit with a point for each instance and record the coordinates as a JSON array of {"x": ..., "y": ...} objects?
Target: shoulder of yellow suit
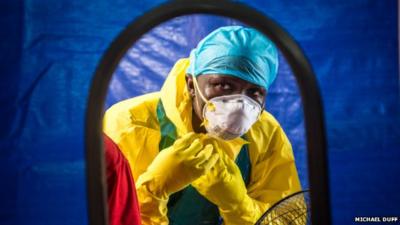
[
  {"x": 268, "y": 120},
  {"x": 263, "y": 131},
  {"x": 142, "y": 110},
  {"x": 137, "y": 111}
]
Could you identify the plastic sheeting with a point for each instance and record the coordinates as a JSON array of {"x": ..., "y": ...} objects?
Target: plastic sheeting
[{"x": 49, "y": 51}]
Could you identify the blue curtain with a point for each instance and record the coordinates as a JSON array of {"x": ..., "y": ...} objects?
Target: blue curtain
[{"x": 49, "y": 51}]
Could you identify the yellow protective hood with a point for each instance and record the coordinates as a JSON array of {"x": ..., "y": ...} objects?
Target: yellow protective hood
[{"x": 176, "y": 98}]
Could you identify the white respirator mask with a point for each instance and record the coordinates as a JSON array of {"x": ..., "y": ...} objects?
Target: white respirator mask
[{"x": 228, "y": 116}]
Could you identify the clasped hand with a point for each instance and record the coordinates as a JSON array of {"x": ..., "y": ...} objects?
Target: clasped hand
[
  {"x": 223, "y": 183},
  {"x": 177, "y": 166}
]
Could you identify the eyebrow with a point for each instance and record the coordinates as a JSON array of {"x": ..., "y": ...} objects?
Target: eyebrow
[{"x": 236, "y": 80}]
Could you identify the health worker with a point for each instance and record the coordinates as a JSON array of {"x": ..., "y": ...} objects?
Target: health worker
[{"x": 203, "y": 150}]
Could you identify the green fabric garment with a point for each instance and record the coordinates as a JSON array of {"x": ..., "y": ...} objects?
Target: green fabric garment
[{"x": 188, "y": 206}]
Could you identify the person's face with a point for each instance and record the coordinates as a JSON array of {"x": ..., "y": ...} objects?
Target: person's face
[{"x": 214, "y": 85}]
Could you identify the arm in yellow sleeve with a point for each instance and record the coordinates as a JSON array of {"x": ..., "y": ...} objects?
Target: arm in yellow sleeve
[
  {"x": 274, "y": 174},
  {"x": 153, "y": 209}
]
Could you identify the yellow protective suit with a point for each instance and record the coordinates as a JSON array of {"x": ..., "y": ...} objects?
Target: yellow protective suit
[{"x": 132, "y": 124}]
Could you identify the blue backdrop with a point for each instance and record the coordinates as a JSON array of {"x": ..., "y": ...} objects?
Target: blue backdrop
[{"x": 49, "y": 51}]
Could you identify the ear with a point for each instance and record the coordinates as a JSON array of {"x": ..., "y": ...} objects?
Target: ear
[{"x": 189, "y": 84}]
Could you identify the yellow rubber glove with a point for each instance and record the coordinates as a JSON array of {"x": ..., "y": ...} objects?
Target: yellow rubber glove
[
  {"x": 172, "y": 169},
  {"x": 223, "y": 185},
  {"x": 176, "y": 167}
]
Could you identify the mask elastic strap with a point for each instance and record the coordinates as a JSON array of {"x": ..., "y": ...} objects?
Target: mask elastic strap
[
  {"x": 196, "y": 86},
  {"x": 210, "y": 106}
]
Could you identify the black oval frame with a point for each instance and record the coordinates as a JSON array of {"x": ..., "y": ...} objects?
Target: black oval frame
[{"x": 306, "y": 80}]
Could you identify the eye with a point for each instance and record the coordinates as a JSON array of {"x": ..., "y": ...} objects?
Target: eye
[
  {"x": 223, "y": 86},
  {"x": 256, "y": 92}
]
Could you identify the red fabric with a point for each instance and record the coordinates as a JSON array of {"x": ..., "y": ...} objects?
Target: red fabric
[{"x": 123, "y": 207}]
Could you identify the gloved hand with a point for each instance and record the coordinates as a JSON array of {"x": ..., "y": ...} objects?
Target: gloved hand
[
  {"x": 176, "y": 167},
  {"x": 224, "y": 186}
]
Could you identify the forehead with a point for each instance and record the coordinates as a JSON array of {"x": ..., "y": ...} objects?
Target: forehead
[{"x": 225, "y": 78}]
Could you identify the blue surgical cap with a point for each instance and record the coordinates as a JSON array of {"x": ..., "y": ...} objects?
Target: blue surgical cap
[{"x": 237, "y": 51}]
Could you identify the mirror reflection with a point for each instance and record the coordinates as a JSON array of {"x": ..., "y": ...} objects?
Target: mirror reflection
[{"x": 203, "y": 125}]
